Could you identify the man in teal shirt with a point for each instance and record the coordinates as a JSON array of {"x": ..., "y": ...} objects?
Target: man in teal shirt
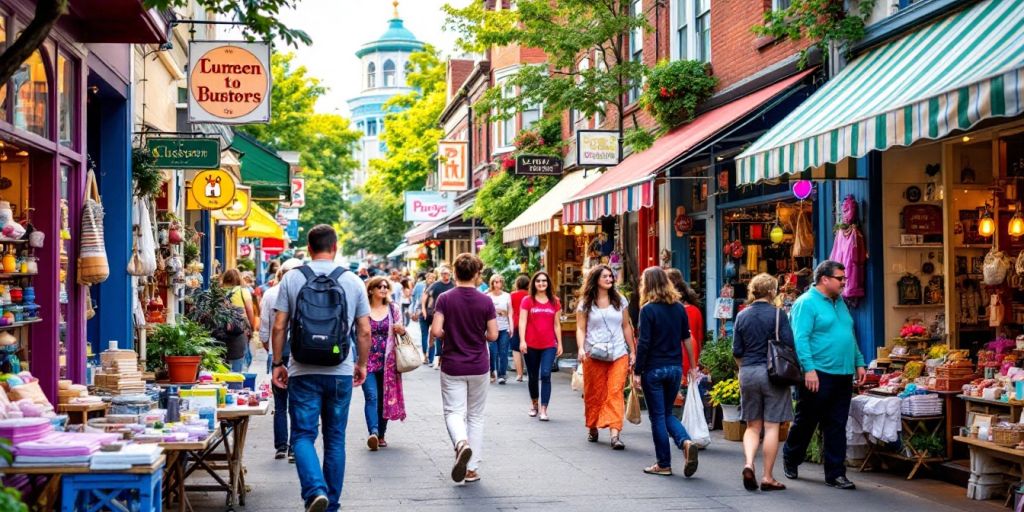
[{"x": 827, "y": 348}]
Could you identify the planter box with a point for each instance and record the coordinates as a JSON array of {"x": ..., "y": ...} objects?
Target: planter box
[{"x": 733, "y": 430}]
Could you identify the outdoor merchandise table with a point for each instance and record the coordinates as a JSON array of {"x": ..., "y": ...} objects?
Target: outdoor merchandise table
[
  {"x": 926, "y": 425},
  {"x": 79, "y": 413},
  {"x": 82, "y": 488},
  {"x": 988, "y": 468},
  {"x": 182, "y": 459}
]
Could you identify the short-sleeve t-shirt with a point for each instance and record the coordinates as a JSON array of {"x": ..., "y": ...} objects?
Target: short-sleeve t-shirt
[
  {"x": 240, "y": 296},
  {"x": 540, "y": 322},
  {"x": 466, "y": 312},
  {"x": 605, "y": 324},
  {"x": 517, "y": 302},
  {"x": 434, "y": 291},
  {"x": 358, "y": 307},
  {"x": 502, "y": 303}
]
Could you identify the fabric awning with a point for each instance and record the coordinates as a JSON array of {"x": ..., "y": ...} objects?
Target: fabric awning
[
  {"x": 268, "y": 174},
  {"x": 449, "y": 224},
  {"x": 400, "y": 250},
  {"x": 272, "y": 246},
  {"x": 261, "y": 224},
  {"x": 421, "y": 232},
  {"x": 946, "y": 76},
  {"x": 544, "y": 215},
  {"x": 629, "y": 186}
]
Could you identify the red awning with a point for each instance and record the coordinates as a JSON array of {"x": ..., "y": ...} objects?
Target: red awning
[
  {"x": 629, "y": 186},
  {"x": 272, "y": 246},
  {"x": 118, "y": 21}
]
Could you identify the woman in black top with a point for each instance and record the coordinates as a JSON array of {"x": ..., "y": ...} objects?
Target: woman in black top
[
  {"x": 663, "y": 330},
  {"x": 763, "y": 403}
]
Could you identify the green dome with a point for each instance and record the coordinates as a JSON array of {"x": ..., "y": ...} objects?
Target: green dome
[{"x": 396, "y": 38}]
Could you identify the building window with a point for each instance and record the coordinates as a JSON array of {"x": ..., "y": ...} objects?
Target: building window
[
  {"x": 636, "y": 47},
  {"x": 31, "y": 96},
  {"x": 389, "y": 73},
  {"x": 781, "y": 5},
  {"x": 66, "y": 92},
  {"x": 575, "y": 116},
  {"x": 682, "y": 31},
  {"x": 702, "y": 14},
  {"x": 371, "y": 76},
  {"x": 531, "y": 116},
  {"x": 371, "y": 128},
  {"x": 508, "y": 131},
  {"x": 602, "y": 67},
  {"x": 408, "y": 71}
]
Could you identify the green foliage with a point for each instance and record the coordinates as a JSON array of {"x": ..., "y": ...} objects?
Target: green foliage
[
  {"x": 191, "y": 252},
  {"x": 543, "y": 138},
  {"x": 816, "y": 448},
  {"x": 260, "y": 18},
  {"x": 638, "y": 139},
  {"x": 822, "y": 22},
  {"x": 375, "y": 223},
  {"x": 185, "y": 338},
  {"x": 674, "y": 89},
  {"x": 928, "y": 443},
  {"x": 504, "y": 196},
  {"x": 716, "y": 357},
  {"x": 212, "y": 310},
  {"x": 324, "y": 203},
  {"x": 246, "y": 265},
  {"x": 147, "y": 177}
]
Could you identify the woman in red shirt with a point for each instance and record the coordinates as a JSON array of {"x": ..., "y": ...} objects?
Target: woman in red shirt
[
  {"x": 693, "y": 314},
  {"x": 522, "y": 291},
  {"x": 541, "y": 334}
]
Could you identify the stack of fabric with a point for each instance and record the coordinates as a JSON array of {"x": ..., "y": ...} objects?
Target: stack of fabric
[
  {"x": 61, "y": 449},
  {"x": 922, "y": 405},
  {"x": 20, "y": 430},
  {"x": 128, "y": 456},
  {"x": 874, "y": 416}
]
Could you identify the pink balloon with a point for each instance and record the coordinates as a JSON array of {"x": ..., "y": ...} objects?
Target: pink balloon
[{"x": 802, "y": 189}]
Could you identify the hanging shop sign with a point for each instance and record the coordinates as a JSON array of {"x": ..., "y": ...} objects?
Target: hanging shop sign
[
  {"x": 452, "y": 165},
  {"x": 184, "y": 153},
  {"x": 597, "y": 148},
  {"x": 292, "y": 230},
  {"x": 428, "y": 206},
  {"x": 239, "y": 207},
  {"x": 538, "y": 165},
  {"x": 211, "y": 189},
  {"x": 288, "y": 213},
  {"x": 298, "y": 192},
  {"x": 229, "y": 82}
]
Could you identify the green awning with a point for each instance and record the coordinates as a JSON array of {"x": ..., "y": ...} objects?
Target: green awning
[
  {"x": 950, "y": 75},
  {"x": 264, "y": 171}
]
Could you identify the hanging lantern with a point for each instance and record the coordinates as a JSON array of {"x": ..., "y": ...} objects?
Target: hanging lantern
[
  {"x": 565, "y": 229},
  {"x": 577, "y": 230},
  {"x": 987, "y": 225},
  {"x": 1016, "y": 227},
  {"x": 776, "y": 234},
  {"x": 479, "y": 242},
  {"x": 802, "y": 189}
]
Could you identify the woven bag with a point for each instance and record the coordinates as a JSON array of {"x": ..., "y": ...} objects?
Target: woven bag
[{"x": 93, "y": 267}]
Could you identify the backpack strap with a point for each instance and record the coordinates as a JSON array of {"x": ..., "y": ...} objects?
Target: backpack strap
[
  {"x": 337, "y": 272},
  {"x": 308, "y": 272}
]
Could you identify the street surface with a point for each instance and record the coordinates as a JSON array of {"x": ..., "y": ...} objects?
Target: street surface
[{"x": 529, "y": 465}]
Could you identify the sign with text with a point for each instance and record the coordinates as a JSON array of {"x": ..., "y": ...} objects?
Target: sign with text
[
  {"x": 452, "y": 165},
  {"x": 597, "y": 148},
  {"x": 212, "y": 189},
  {"x": 229, "y": 82},
  {"x": 428, "y": 206},
  {"x": 288, "y": 213},
  {"x": 184, "y": 153},
  {"x": 538, "y": 165},
  {"x": 298, "y": 192},
  {"x": 239, "y": 207}
]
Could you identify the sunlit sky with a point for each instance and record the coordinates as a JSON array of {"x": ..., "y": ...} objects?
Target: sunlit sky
[{"x": 340, "y": 27}]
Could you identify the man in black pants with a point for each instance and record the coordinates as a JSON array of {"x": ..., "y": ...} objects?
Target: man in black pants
[{"x": 827, "y": 348}]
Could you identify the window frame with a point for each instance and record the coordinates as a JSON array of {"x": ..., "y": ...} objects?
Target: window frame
[
  {"x": 385, "y": 71},
  {"x": 371, "y": 75},
  {"x": 776, "y": 5},
  {"x": 636, "y": 48},
  {"x": 681, "y": 20},
  {"x": 702, "y": 49}
]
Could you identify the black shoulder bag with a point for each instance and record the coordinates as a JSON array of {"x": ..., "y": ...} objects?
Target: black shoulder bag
[{"x": 783, "y": 365}]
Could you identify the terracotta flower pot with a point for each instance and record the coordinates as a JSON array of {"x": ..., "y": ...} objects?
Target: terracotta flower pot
[{"x": 182, "y": 369}]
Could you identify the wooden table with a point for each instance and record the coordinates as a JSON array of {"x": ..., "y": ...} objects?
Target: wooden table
[
  {"x": 179, "y": 457},
  {"x": 83, "y": 410},
  {"x": 104, "y": 485},
  {"x": 954, "y": 410},
  {"x": 927, "y": 425},
  {"x": 987, "y": 475}
]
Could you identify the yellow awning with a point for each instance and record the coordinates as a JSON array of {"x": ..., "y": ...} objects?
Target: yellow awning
[{"x": 261, "y": 224}]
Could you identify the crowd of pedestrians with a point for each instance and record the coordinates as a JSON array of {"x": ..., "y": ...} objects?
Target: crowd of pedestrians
[{"x": 474, "y": 324}]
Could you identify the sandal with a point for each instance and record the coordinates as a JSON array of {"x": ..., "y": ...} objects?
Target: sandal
[
  {"x": 749, "y": 479},
  {"x": 519, "y": 378},
  {"x": 544, "y": 417},
  {"x": 382, "y": 443},
  {"x": 657, "y": 470},
  {"x": 772, "y": 486},
  {"x": 617, "y": 444},
  {"x": 592, "y": 435},
  {"x": 690, "y": 450}
]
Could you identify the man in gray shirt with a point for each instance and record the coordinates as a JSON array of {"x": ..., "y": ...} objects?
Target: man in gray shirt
[{"x": 321, "y": 394}]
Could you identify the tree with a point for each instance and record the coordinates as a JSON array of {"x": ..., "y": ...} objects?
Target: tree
[
  {"x": 823, "y": 22},
  {"x": 258, "y": 18},
  {"x": 324, "y": 203},
  {"x": 375, "y": 222},
  {"x": 567, "y": 31}
]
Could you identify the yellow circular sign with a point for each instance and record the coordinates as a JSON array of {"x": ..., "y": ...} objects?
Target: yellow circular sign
[
  {"x": 213, "y": 189},
  {"x": 239, "y": 207}
]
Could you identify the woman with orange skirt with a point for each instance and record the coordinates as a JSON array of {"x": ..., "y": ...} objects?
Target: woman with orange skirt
[{"x": 608, "y": 353}]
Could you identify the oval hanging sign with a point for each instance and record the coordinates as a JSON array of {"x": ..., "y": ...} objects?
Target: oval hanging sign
[
  {"x": 213, "y": 189},
  {"x": 229, "y": 82},
  {"x": 239, "y": 207}
]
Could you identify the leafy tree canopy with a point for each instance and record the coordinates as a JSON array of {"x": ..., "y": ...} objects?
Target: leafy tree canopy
[{"x": 375, "y": 223}]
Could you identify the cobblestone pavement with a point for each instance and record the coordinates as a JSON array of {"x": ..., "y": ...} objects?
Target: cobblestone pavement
[{"x": 530, "y": 465}]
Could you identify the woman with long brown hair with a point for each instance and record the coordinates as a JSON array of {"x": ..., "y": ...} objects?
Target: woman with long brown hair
[
  {"x": 382, "y": 389},
  {"x": 241, "y": 298},
  {"x": 608, "y": 352},
  {"x": 541, "y": 328},
  {"x": 664, "y": 330}
]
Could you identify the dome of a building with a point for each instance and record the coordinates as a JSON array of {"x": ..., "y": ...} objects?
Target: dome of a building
[{"x": 395, "y": 38}]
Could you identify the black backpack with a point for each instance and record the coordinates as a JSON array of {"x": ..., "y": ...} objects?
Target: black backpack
[{"x": 320, "y": 324}]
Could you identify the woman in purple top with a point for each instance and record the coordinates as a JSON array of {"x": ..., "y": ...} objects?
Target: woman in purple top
[
  {"x": 466, "y": 320},
  {"x": 382, "y": 390}
]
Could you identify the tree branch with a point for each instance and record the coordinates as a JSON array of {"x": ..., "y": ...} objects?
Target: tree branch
[{"x": 30, "y": 39}]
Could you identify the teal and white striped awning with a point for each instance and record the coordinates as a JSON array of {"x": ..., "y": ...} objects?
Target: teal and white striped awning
[{"x": 946, "y": 76}]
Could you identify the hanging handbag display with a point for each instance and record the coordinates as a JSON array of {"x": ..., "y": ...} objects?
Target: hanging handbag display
[
  {"x": 407, "y": 354},
  {"x": 93, "y": 267},
  {"x": 783, "y": 365}
]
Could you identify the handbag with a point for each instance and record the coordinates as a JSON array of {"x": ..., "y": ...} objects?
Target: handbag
[
  {"x": 783, "y": 365},
  {"x": 603, "y": 350},
  {"x": 93, "y": 267},
  {"x": 407, "y": 355},
  {"x": 633, "y": 403}
]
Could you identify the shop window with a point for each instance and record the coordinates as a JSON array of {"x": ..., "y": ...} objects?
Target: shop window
[
  {"x": 30, "y": 96},
  {"x": 389, "y": 73},
  {"x": 66, "y": 92}
]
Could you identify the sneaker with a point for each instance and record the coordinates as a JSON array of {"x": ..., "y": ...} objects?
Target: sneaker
[
  {"x": 318, "y": 504},
  {"x": 472, "y": 476},
  {"x": 790, "y": 470},
  {"x": 291, "y": 457},
  {"x": 462, "y": 455},
  {"x": 501, "y": 381},
  {"x": 282, "y": 453},
  {"x": 373, "y": 442},
  {"x": 841, "y": 482}
]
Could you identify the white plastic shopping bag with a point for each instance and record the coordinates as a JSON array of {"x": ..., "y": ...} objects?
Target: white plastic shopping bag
[{"x": 693, "y": 416}]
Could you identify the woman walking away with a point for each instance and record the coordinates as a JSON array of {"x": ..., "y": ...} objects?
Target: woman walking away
[
  {"x": 241, "y": 298},
  {"x": 465, "y": 318},
  {"x": 603, "y": 322},
  {"x": 763, "y": 403},
  {"x": 382, "y": 390},
  {"x": 424, "y": 280},
  {"x": 693, "y": 314},
  {"x": 522, "y": 291},
  {"x": 503, "y": 308},
  {"x": 664, "y": 329},
  {"x": 541, "y": 340}
]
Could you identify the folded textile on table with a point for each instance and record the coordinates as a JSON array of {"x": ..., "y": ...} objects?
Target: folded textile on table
[
  {"x": 876, "y": 416},
  {"x": 129, "y": 455},
  {"x": 64, "y": 444},
  {"x": 922, "y": 405},
  {"x": 22, "y": 460},
  {"x": 19, "y": 430}
]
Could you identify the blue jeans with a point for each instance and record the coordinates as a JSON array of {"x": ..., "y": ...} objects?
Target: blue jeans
[
  {"x": 237, "y": 365},
  {"x": 280, "y": 414},
  {"x": 248, "y": 356},
  {"x": 538, "y": 365},
  {"x": 315, "y": 399},
  {"x": 425, "y": 338},
  {"x": 373, "y": 408},
  {"x": 661, "y": 385},
  {"x": 435, "y": 349},
  {"x": 499, "y": 354}
]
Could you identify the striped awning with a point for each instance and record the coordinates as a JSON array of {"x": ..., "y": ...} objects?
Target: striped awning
[
  {"x": 946, "y": 76},
  {"x": 626, "y": 199},
  {"x": 543, "y": 215}
]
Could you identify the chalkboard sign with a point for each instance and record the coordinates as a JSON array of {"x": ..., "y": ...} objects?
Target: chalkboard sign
[{"x": 538, "y": 165}]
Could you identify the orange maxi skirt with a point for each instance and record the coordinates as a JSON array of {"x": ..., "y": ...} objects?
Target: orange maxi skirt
[{"x": 603, "y": 400}]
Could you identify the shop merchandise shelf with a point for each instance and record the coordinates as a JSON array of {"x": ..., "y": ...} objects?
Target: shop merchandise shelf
[
  {"x": 13, "y": 275},
  {"x": 16, "y": 325},
  {"x": 918, "y": 306},
  {"x": 973, "y": 246},
  {"x": 917, "y": 246}
]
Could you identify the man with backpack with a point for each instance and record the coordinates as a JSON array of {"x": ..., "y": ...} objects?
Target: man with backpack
[{"x": 318, "y": 306}]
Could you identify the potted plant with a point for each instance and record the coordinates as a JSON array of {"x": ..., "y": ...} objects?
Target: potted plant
[
  {"x": 726, "y": 394},
  {"x": 213, "y": 310},
  {"x": 183, "y": 347},
  {"x": 674, "y": 89},
  {"x": 716, "y": 357}
]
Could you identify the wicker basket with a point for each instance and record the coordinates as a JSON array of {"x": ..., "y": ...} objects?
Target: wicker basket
[
  {"x": 947, "y": 384},
  {"x": 1007, "y": 435}
]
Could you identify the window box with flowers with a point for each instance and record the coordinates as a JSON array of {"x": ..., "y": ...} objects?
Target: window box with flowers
[{"x": 674, "y": 89}]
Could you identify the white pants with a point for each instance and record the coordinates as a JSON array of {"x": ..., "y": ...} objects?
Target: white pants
[{"x": 465, "y": 399}]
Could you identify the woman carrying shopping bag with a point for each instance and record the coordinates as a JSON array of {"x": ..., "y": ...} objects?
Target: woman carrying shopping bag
[
  {"x": 382, "y": 390},
  {"x": 763, "y": 403},
  {"x": 609, "y": 351}
]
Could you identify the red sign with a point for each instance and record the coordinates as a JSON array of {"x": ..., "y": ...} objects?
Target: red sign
[
  {"x": 922, "y": 219},
  {"x": 298, "y": 192}
]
